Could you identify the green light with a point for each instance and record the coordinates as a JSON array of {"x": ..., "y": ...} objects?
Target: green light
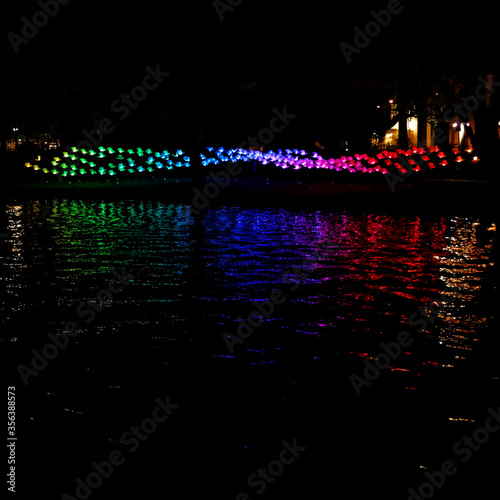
[
  {"x": 93, "y": 172},
  {"x": 130, "y": 151},
  {"x": 101, "y": 149},
  {"x": 120, "y": 150},
  {"x": 83, "y": 151},
  {"x": 111, "y": 150},
  {"x": 54, "y": 163},
  {"x": 74, "y": 149},
  {"x": 55, "y": 171},
  {"x": 82, "y": 171},
  {"x": 65, "y": 173}
]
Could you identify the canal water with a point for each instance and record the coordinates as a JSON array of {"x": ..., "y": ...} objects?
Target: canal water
[{"x": 197, "y": 318}]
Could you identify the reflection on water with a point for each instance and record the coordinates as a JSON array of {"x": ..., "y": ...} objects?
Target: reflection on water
[
  {"x": 363, "y": 277},
  {"x": 356, "y": 281}
]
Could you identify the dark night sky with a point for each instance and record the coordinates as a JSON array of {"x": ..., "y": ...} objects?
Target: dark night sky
[{"x": 291, "y": 50}]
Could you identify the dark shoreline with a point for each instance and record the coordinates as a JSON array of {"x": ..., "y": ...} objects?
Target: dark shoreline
[{"x": 415, "y": 194}]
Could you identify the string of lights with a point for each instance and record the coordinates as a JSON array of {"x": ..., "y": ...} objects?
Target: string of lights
[{"x": 113, "y": 162}]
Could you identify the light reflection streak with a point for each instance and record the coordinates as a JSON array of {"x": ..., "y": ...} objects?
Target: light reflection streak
[{"x": 370, "y": 269}]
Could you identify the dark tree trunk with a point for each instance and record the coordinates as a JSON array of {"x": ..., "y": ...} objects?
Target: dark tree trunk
[
  {"x": 403, "y": 132},
  {"x": 402, "y": 107},
  {"x": 422, "y": 124},
  {"x": 485, "y": 139}
]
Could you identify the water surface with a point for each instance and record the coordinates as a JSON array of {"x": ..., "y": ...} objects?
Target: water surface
[{"x": 351, "y": 281}]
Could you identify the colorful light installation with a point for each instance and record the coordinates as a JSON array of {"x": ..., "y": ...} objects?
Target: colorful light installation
[{"x": 113, "y": 162}]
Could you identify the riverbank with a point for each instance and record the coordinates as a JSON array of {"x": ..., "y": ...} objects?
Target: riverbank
[
  {"x": 463, "y": 187},
  {"x": 445, "y": 195}
]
